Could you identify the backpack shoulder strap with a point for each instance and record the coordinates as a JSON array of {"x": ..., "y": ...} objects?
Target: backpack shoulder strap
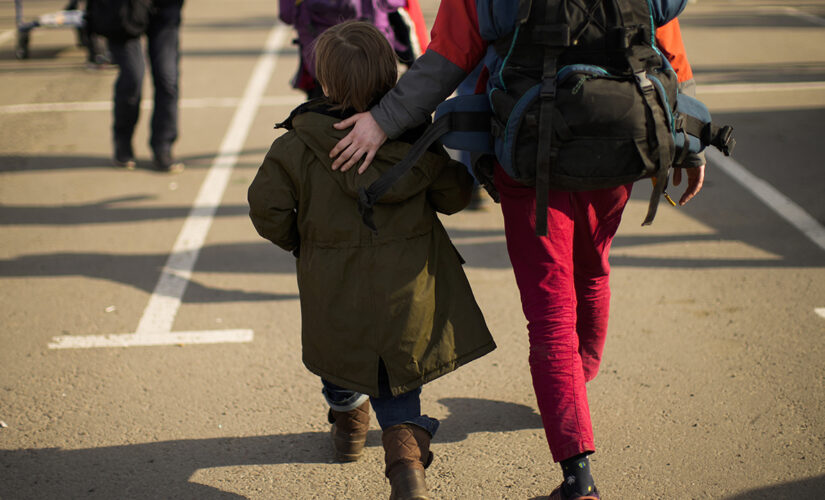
[
  {"x": 471, "y": 121},
  {"x": 368, "y": 197}
]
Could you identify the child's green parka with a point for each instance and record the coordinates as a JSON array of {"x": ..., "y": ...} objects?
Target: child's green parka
[{"x": 399, "y": 295}]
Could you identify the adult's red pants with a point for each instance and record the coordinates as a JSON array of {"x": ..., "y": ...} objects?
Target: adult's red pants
[{"x": 563, "y": 279}]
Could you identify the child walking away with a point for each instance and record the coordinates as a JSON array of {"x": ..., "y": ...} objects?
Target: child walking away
[{"x": 382, "y": 312}]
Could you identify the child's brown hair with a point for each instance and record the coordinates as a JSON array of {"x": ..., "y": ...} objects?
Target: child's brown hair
[{"x": 355, "y": 64}]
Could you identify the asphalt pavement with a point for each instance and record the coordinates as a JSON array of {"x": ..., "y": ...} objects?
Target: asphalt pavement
[{"x": 150, "y": 340}]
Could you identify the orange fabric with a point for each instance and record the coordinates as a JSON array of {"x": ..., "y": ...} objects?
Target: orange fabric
[
  {"x": 669, "y": 41},
  {"x": 419, "y": 25}
]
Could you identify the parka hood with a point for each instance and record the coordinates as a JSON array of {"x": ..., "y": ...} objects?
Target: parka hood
[{"x": 313, "y": 123}]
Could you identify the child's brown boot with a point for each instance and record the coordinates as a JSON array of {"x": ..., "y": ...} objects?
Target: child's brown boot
[
  {"x": 349, "y": 432},
  {"x": 407, "y": 454}
]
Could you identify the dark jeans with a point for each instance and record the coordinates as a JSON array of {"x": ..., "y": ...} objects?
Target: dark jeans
[
  {"x": 164, "y": 56},
  {"x": 389, "y": 410}
]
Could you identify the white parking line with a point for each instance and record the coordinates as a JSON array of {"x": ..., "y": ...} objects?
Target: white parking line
[
  {"x": 295, "y": 99},
  {"x": 777, "y": 201},
  {"x": 155, "y": 327},
  {"x": 7, "y": 35},
  {"x": 794, "y": 12},
  {"x": 739, "y": 88},
  {"x": 820, "y": 311},
  {"x": 290, "y": 100},
  {"x": 150, "y": 339}
]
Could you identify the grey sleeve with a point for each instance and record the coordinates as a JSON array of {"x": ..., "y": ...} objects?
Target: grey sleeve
[{"x": 430, "y": 80}]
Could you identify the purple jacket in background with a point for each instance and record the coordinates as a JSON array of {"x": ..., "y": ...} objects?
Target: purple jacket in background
[{"x": 312, "y": 17}]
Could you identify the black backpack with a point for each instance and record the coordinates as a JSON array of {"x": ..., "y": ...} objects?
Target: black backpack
[
  {"x": 118, "y": 19},
  {"x": 578, "y": 99}
]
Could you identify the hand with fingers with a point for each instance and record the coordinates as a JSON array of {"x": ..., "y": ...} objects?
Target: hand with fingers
[
  {"x": 363, "y": 141},
  {"x": 695, "y": 179}
]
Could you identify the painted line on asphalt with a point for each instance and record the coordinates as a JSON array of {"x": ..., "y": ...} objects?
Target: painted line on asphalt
[
  {"x": 197, "y": 103},
  {"x": 149, "y": 339},
  {"x": 155, "y": 326},
  {"x": 794, "y": 12},
  {"x": 7, "y": 35},
  {"x": 296, "y": 99},
  {"x": 769, "y": 195},
  {"x": 820, "y": 311},
  {"x": 738, "y": 88}
]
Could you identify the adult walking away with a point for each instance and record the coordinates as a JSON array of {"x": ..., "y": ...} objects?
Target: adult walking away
[
  {"x": 562, "y": 276},
  {"x": 159, "y": 21},
  {"x": 381, "y": 313}
]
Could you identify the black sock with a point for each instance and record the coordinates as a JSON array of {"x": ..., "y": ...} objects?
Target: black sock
[{"x": 577, "y": 478}]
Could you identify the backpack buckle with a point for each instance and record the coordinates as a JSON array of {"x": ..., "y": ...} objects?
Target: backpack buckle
[
  {"x": 643, "y": 81},
  {"x": 548, "y": 89},
  {"x": 548, "y": 78}
]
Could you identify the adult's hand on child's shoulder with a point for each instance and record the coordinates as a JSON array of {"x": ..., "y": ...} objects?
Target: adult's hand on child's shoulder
[{"x": 363, "y": 140}]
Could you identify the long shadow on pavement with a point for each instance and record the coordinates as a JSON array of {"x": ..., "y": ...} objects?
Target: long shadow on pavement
[
  {"x": 804, "y": 488},
  {"x": 142, "y": 270},
  {"x": 106, "y": 211},
  {"x": 163, "y": 469},
  {"x": 31, "y": 163}
]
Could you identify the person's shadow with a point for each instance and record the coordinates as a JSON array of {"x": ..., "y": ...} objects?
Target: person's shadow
[
  {"x": 163, "y": 469},
  {"x": 803, "y": 488}
]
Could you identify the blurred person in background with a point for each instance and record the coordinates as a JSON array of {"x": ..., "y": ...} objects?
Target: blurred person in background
[
  {"x": 400, "y": 21},
  {"x": 159, "y": 21}
]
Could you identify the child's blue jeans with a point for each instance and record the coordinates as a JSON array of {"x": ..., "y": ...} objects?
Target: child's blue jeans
[{"x": 389, "y": 410}]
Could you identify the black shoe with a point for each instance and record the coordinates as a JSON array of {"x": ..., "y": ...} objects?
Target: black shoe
[
  {"x": 163, "y": 162},
  {"x": 124, "y": 157}
]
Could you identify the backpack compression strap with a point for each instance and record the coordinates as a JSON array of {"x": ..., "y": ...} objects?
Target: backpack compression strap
[
  {"x": 542, "y": 31},
  {"x": 664, "y": 145},
  {"x": 664, "y": 140},
  {"x": 555, "y": 38},
  {"x": 709, "y": 134},
  {"x": 468, "y": 121}
]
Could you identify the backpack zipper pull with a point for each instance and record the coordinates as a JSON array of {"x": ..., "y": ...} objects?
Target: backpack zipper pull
[
  {"x": 664, "y": 191},
  {"x": 580, "y": 83}
]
